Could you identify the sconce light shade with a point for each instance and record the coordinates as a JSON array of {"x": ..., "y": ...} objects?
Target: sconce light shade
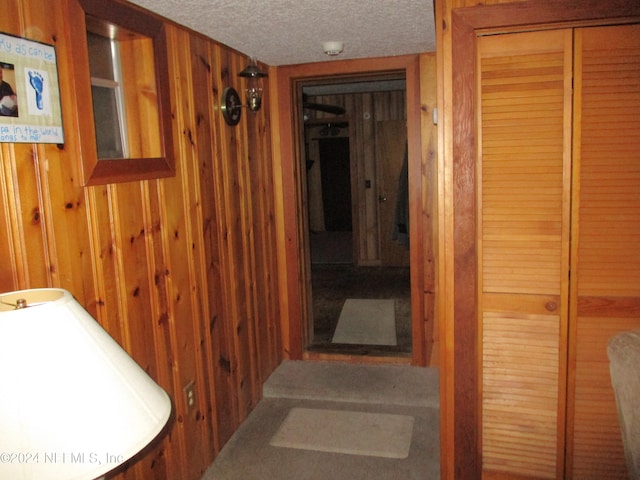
[
  {"x": 73, "y": 404},
  {"x": 254, "y": 84},
  {"x": 252, "y": 71},
  {"x": 231, "y": 105}
]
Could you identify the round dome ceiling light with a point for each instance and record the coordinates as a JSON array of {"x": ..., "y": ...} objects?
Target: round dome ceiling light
[{"x": 333, "y": 48}]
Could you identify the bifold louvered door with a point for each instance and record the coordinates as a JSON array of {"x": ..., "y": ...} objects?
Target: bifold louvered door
[
  {"x": 605, "y": 288},
  {"x": 524, "y": 218},
  {"x": 553, "y": 187}
]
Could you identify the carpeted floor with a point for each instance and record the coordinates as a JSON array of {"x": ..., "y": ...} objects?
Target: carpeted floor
[{"x": 378, "y": 389}]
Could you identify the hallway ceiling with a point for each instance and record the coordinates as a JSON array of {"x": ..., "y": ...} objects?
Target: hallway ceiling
[{"x": 289, "y": 32}]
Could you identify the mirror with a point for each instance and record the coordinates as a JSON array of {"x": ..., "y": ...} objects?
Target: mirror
[{"x": 122, "y": 83}]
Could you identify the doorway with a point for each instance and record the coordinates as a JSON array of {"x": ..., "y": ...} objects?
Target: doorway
[
  {"x": 354, "y": 152},
  {"x": 294, "y": 269}
]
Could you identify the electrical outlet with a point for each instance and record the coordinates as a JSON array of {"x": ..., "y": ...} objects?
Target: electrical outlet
[{"x": 190, "y": 394}]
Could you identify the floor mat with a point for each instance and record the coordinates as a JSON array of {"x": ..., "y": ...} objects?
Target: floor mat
[
  {"x": 366, "y": 322},
  {"x": 349, "y": 432}
]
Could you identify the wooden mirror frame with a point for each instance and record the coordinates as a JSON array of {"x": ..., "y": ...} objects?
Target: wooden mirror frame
[{"x": 95, "y": 171}]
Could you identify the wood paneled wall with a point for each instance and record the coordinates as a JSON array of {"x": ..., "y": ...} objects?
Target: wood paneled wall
[{"x": 181, "y": 271}]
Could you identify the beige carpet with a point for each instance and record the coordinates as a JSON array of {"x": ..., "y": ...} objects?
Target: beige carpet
[
  {"x": 363, "y": 389},
  {"x": 366, "y": 321},
  {"x": 344, "y": 431}
]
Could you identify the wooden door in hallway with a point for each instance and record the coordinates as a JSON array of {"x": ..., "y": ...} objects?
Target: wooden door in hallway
[{"x": 391, "y": 144}]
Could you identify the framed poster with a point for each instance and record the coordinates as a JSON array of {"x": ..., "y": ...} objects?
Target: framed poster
[{"x": 30, "y": 110}]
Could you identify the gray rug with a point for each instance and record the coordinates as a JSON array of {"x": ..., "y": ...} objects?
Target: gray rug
[
  {"x": 366, "y": 321},
  {"x": 366, "y": 389},
  {"x": 346, "y": 431}
]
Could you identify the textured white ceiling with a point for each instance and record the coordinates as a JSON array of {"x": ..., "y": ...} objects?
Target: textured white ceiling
[{"x": 288, "y": 32}]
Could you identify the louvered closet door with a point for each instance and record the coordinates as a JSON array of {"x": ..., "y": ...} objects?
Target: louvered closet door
[
  {"x": 606, "y": 222},
  {"x": 523, "y": 240}
]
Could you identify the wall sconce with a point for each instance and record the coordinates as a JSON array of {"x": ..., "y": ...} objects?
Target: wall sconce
[{"x": 231, "y": 103}]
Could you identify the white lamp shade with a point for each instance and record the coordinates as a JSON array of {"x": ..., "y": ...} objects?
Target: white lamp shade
[{"x": 73, "y": 403}]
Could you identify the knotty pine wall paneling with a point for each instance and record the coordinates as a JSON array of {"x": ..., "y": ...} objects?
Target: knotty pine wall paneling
[
  {"x": 184, "y": 247},
  {"x": 235, "y": 256},
  {"x": 178, "y": 270},
  {"x": 202, "y": 64},
  {"x": 265, "y": 280}
]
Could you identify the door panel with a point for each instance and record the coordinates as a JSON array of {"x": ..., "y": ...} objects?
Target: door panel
[
  {"x": 391, "y": 142},
  {"x": 523, "y": 238},
  {"x": 606, "y": 222}
]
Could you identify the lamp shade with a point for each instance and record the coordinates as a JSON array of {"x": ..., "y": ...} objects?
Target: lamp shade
[{"x": 73, "y": 403}]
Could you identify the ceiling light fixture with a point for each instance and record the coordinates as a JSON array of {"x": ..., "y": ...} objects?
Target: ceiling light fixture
[{"x": 333, "y": 48}]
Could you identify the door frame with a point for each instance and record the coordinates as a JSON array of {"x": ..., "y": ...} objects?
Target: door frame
[
  {"x": 461, "y": 422},
  {"x": 293, "y": 263}
]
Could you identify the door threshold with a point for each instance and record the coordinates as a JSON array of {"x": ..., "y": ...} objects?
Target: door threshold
[{"x": 351, "y": 358}]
